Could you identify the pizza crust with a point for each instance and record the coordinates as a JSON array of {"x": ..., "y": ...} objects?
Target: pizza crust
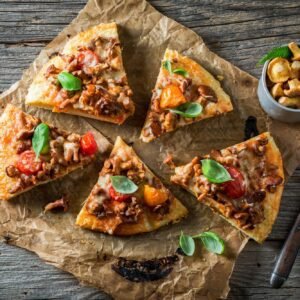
[
  {"x": 41, "y": 92},
  {"x": 8, "y": 154},
  {"x": 146, "y": 222},
  {"x": 199, "y": 76}
]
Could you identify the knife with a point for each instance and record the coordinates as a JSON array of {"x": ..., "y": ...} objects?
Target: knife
[{"x": 287, "y": 256}]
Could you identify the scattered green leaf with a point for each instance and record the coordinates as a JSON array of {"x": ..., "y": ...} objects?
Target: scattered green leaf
[
  {"x": 188, "y": 109},
  {"x": 211, "y": 241},
  {"x": 123, "y": 185},
  {"x": 187, "y": 244},
  {"x": 214, "y": 171}
]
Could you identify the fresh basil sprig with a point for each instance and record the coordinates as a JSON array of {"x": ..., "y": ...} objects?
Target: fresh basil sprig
[
  {"x": 69, "y": 82},
  {"x": 188, "y": 109},
  {"x": 214, "y": 171},
  {"x": 283, "y": 51},
  {"x": 123, "y": 185},
  {"x": 40, "y": 139},
  {"x": 187, "y": 244},
  {"x": 168, "y": 66},
  {"x": 211, "y": 241},
  {"x": 181, "y": 71}
]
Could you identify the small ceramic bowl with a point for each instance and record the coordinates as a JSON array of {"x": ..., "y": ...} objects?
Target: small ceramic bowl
[{"x": 271, "y": 106}]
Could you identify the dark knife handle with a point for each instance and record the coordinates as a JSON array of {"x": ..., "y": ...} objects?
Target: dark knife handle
[{"x": 287, "y": 256}]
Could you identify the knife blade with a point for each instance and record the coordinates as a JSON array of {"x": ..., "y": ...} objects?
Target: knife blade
[{"x": 287, "y": 256}]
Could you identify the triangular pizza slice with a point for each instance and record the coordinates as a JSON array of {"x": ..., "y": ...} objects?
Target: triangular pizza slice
[
  {"x": 184, "y": 93},
  {"x": 33, "y": 153},
  {"x": 128, "y": 198},
  {"x": 87, "y": 78},
  {"x": 243, "y": 183}
]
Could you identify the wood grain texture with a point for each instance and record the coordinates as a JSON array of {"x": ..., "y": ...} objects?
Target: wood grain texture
[{"x": 239, "y": 31}]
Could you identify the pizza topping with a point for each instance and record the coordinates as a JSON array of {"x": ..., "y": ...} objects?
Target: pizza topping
[
  {"x": 171, "y": 97},
  {"x": 28, "y": 163},
  {"x": 87, "y": 59},
  {"x": 40, "y": 140},
  {"x": 12, "y": 171},
  {"x": 123, "y": 185},
  {"x": 88, "y": 145},
  {"x": 69, "y": 82},
  {"x": 235, "y": 188},
  {"x": 207, "y": 93},
  {"x": 116, "y": 196},
  {"x": 168, "y": 66},
  {"x": 154, "y": 196},
  {"x": 214, "y": 171},
  {"x": 188, "y": 110}
]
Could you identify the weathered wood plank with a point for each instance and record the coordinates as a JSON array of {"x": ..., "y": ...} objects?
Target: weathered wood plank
[
  {"x": 37, "y": 280},
  {"x": 239, "y": 31}
]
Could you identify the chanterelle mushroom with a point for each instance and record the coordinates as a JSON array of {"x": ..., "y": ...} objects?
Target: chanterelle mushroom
[
  {"x": 295, "y": 69},
  {"x": 290, "y": 102},
  {"x": 277, "y": 90},
  {"x": 279, "y": 70},
  {"x": 294, "y": 88},
  {"x": 295, "y": 50}
]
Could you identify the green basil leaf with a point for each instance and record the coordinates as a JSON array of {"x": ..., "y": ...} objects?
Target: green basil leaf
[
  {"x": 283, "y": 51},
  {"x": 123, "y": 185},
  {"x": 69, "y": 82},
  {"x": 211, "y": 241},
  {"x": 188, "y": 110},
  {"x": 214, "y": 171},
  {"x": 40, "y": 139},
  {"x": 187, "y": 244},
  {"x": 181, "y": 72},
  {"x": 167, "y": 65}
]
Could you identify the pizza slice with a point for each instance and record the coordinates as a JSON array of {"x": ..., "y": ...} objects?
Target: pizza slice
[
  {"x": 33, "y": 153},
  {"x": 128, "y": 198},
  {"x": 87, "y": 78},
  {"x": 184, "y": 93},
  {"x": 243, "y": 183}
]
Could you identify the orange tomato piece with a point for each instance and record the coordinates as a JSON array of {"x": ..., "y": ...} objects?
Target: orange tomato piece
[
  {"x": 171, "y": 97},
  {"x": 153, "y": 196}
]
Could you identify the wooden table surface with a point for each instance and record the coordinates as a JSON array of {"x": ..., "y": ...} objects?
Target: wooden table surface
[{"x": 239, "y": 31}]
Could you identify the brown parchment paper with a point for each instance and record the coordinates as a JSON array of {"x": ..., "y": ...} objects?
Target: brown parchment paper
[{"x": 144, "y": 33}]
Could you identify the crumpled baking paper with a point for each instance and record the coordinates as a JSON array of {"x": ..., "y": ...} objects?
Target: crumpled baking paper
[{"x": 145, "y": 34}]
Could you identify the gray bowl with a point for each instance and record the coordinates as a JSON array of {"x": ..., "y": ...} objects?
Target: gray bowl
[{"x": 271, "y": 106}]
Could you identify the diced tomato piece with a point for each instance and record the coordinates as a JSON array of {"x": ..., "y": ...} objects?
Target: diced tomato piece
[
  {"x": 154, "y": 196},
  {"x": 117, "y": 196},
  {"x": 171, "y": 97},
  {"x": 88, "y": 145},
  {"x": 28, "y": 163},
  {"x": 87, "y": 58},
  {"x": 236, "y": 188}
]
